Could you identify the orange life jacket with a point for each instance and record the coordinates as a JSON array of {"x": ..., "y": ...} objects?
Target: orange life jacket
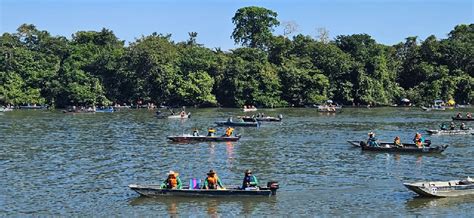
[
  {"x": 212, "y": 180},
  {"x": 228, "y": 132},
  {"x": 172, "y": 182}
]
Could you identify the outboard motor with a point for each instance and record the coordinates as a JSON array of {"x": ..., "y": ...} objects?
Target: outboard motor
[
  {"x": 280, "y": 116},
  {"x": 428, "y": 142},
  {"x": 273, "y": 186},
  {"x": 363, "y": 144}
]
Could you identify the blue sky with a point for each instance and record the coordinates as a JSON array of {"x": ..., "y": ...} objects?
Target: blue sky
[{"x": 387, "y": 21}]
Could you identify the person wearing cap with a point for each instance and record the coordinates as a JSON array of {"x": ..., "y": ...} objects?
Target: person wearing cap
[
  {"x": 419, "y": 140},
  {"x": 172, "y": 182},
  {"x": 212, "y": 181},
  {"x": 372, "y": 141},
  {"x": 249, "y": 180}
]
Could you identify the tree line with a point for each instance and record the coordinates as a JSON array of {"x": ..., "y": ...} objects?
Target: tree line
[{"x": 269, "y": 70}]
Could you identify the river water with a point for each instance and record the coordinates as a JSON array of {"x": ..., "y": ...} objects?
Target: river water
[{"x": 63, "y": 164}]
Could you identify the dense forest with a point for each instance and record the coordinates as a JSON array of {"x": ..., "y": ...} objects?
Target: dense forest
[{"x": 269, "y": 70}]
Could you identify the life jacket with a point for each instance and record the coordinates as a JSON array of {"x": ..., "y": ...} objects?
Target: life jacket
[
  {"x": 397, "y": 141},
  {"x": 172, "y": 182},
  {"x": 212, "y": 181},
  {"x": 228, "y": 132}
]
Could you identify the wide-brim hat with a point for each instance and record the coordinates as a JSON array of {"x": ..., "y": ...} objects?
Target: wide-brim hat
[
  {"x": 171, "y": 172},
  {"x": 211, "y": 172},
  {"x": 371, "y": 133}
]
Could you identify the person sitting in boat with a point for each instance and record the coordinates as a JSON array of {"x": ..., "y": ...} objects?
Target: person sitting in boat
[
  {"x": 419, "y": 140},
  {"x": 228, "y": 132},
  {"x": 469, "y": 115},
  {"x": 211, "y": 131},
  {"x": 463, "y": 126},
  {"x": 372, "y": 141},
  {"x": 229, "y": 120},
  {"x": 250, "y": 181},
  {"x": 444, "y": 126},
  {"x": 459, "y": 115},
  {"x": 452, "y": 126},
  {"x": 195, "y": 132},
  {"x": 172, "y": 182},
  {"x": 212, "y": 181},
  {"x": 182, "y": 114},
  {"x": 397, "y": 142}
]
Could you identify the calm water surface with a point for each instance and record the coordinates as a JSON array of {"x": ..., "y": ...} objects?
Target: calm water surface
[{"x": 63, "y": 164}]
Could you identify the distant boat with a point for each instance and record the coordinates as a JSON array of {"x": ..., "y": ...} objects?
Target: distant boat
[
  {"x": 438, "y": 105},
  {"x": 33, "y": 107},
  {"x": 191, "y": 138},
  {"x": 249, "y": 108},
  {"x": 105, "y": 110},
  {"x": 462, "y": 119},
  {"x": 441, "y": 189},
  {"x": 450, "y": 132},
  {"x": 261, "y": 118},
  {"x": 241, "y": 124},
  {"x": 181, "y": 115},
  {"x": 5, "y": 109}
]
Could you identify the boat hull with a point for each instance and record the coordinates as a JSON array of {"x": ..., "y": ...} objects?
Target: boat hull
[
  {"x": 407, "y": 148},
  {"x": 450, "y": 132},
  {"x": 261, "y": 119},
  {"x": 241, "y": 124},
  {"x": 190, "y": 138},
  {"x": 441, "y": 189},
  {"x": 156, "y": 191},
  {"x": 462, "y": 119}
]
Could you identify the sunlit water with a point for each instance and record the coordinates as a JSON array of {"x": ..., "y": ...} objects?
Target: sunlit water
[{"x": 63, "y": 164}]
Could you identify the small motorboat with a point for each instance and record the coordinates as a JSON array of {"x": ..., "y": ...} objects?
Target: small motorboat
[
  {"x": 406, "y": 148},
  {"x": 157, "y": 191},
  {"x": 443, "y": 189},
  {"x": 5, "y": 109},
  {"x": 241, "y": 124},
  {"x": 105, "y": 110},
  {"x": 462, "y": 119},
  {"x": 450, "y": 132},
  {"x": 191, "y": 138},
  {"x": 249, "y": 108},
  {"x": 261, "y": 118},
  {"x": 181, "y": 115}
]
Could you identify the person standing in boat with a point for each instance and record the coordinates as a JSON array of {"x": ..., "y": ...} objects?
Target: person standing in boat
[
  {"x": 419, "y": 140},
  {"x": 250, "y": 181},
  {"x": 212, "y": 181},
  {"x": 372, "y": 141},
  {"x": 172, "y": 182},
  {"x": 452, "y": 126}
]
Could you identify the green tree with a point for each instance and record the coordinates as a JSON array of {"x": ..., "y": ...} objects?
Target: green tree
[{"x": 254, "y": 26}]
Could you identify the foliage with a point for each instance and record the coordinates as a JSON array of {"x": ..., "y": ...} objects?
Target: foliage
[{"x": 96, "y": 68}]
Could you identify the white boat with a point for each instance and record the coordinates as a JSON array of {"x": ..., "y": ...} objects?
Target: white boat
[
  {"x": 450, "y": 132},
  {"x": 250, "y": 109},
  {"x": 181, "y": 115},
  {"x": 5, "y": 109},
  {"x": 443, "y": 189}
]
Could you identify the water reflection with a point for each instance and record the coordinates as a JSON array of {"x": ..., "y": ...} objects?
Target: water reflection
[
  {"x": 418, "y": 202},
  {"x": 212, "y": 206}
]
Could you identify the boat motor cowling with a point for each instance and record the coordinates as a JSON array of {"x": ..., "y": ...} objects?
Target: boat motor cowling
[{"x": 273, "y": 186}]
